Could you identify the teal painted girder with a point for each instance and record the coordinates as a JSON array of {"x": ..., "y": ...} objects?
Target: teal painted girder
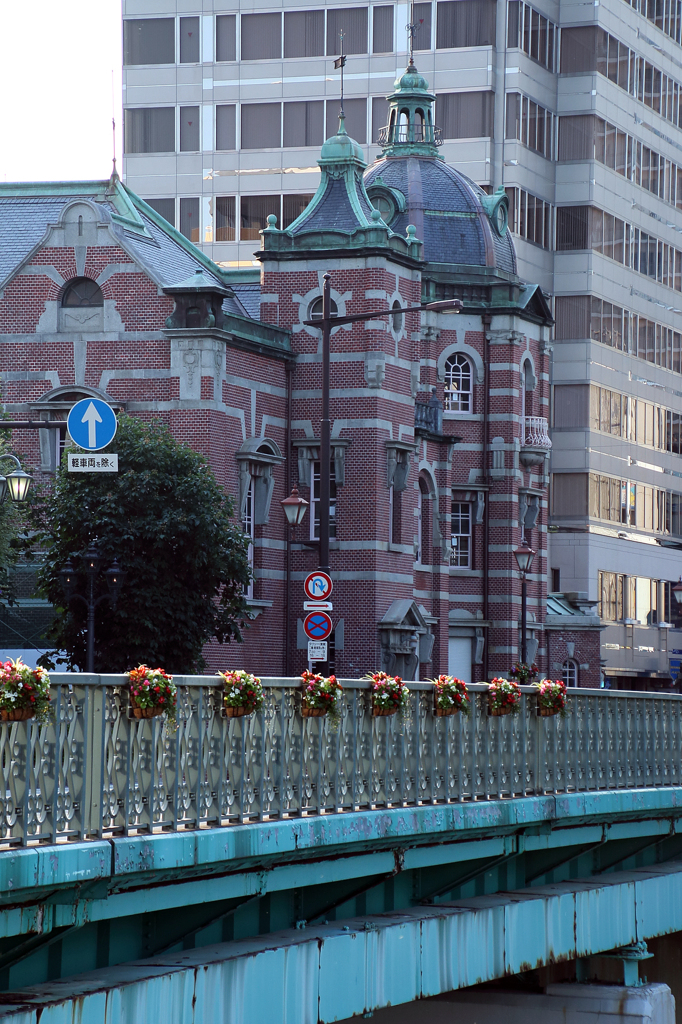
[
  {"x": 84, "y": 905},
  {"x": 331, "y": 972}
]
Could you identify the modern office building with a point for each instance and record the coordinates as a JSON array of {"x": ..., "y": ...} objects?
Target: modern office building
[{"x": 575, "y": 109}]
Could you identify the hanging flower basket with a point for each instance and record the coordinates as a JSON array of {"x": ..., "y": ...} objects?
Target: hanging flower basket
[
  {"x": 504, "y": 697},
  {"x": 389, "y": 695},
  {"x": 243, "y": 693},
  {"x": 450, "y": 696},
  {"x": 321, "y": 696},
  {"x": 152, "y": 693},
  {"x": 24, "y": 692},
  {"x": 523, "y": 674},
  {"x": 551, "y": 698}
]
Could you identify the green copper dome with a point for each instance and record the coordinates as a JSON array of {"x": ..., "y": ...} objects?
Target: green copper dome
[{"x": 411, "y": 81}]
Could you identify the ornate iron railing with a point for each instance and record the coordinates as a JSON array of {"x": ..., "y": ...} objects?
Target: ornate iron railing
[
  {"x": 96, "y": 771},
  {"x": 536, "y": 432},
  {"x": 428, "y": 415},
  {"x": 394, "y": 134}
]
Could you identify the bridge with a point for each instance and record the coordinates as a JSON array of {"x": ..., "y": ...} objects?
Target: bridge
[{"x": 271, "y": 868}]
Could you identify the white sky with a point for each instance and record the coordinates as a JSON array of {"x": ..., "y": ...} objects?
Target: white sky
[{"x": 56, "y": 59}]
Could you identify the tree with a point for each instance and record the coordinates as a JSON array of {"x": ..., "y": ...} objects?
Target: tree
[{"x": 169, "y": 523}]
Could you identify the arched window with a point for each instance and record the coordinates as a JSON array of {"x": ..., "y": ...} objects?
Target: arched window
[
  {"x": 397, "y": 318},
  {"x": 82, "y": 292},
  {"x": 569, "y": 672},
  {"x": 527, "y": 388},
  {"x": 315, "y": 308},
  {"x": 458, "y": 384}
]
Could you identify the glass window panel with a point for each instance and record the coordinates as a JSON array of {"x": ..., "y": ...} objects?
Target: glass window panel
[
  {"x": 352, "y": 21},
  {"x": 513, "y": 23},
  {"x": 149, "y": 41},
  {"x": 422, "y": 21},
  {"x": 304, "y": 33},
  {"x": 261, "y": 36},
  {"x": 226, "y": 37},
  {"x": 226, "y": 126},
  {"x": 465, "y": 115},
  {"x": 225, "y": 219},
  {"x": 356, "y": 118},
  {"x": 465, "y": 23},
  {"x": 189, "y": 41},
  {"x": 579, "y": 49},
  {"x": 261, "y": 126},
  {"x": 379, "y": 115},
  {"x": 303, "y": 123},
  {"x": 149, "y": 130},
  {"x": 164, "y": 207},
  {"x": 382, "y": 29},
  {"x": 189, "y": 130},
  {"x": 189, "y": 219},
  {"x": 293, "y": 206},
  {"x": 254, "y": 213},
  {"x": 461, "y": 535}
]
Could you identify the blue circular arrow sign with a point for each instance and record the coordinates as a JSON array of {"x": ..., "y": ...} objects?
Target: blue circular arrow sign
[
  {"x": 317, "y": 626},
  {"x": 92, "y": 424}
]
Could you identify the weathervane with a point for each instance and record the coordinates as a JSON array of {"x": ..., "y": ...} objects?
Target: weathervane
[
  {"x": 340, "y": 62},
  {"x": 412, "y": 29}
]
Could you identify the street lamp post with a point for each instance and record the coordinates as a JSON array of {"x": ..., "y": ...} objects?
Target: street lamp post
[
  {"x": 326, "y": 321},
  {"x": 524, "y": 556},
  {"x": 114, "y": 578}
]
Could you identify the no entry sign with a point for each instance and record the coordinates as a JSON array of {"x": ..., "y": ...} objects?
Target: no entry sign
[{"x": 317, "y": 625}]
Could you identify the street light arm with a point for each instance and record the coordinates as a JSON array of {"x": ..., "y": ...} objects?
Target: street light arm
[
  {"x": 446, "y": 306},
  {"x": 14, "y": 459}
]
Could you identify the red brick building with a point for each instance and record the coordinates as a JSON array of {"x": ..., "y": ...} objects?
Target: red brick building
[{"x": 439, "y": 421}]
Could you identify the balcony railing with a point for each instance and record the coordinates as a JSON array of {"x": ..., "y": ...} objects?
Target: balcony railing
[
  {"x": 392, "y": 134},
  {"x": 95, "y": 771},
  {"x": 536, "y": 432},
  {"x": 428, "y": 416}
]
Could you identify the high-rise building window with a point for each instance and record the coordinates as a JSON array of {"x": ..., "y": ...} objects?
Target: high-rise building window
[
  {"x": 190, "y": 225},
  {"x": 149, "y": 130},
  {"x": 225, "y": 218},
  {"x": 531, "y": 124},
  {"x": 189, "y": 41},
  {"x": 261, "y": 36},
  {"x": 382, "y": 29},
  {"x": 422, "y": 26},
  {"x": 532, "y": 32},
  {"x": 530, "y": 217},
  {"x": 356, "y": 118},
  {"x": 189, "y": 130},
  {"x": 352, "y": 22},
  {"x": 261, "y": 125},
  {"x": 226, "y": 37},
  {"x": 460, "y": 556},
  {"x": 165, "y": 207},
  {"x": 465, "y": 115},
  {"x": 303, "y": 33},
  {"x": 254, "y": 213},
  {"x": 226, "y": 127},
  {"x": 462, "y": 23},
  {"x": 148, "y": 41},
  {"x": 379, "y": 116},
  {"x": 304, "y": 123},
  {"x": 293, "y": 206}
]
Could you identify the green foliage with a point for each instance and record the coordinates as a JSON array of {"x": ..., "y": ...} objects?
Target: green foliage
[{"x": 169, "y": 523}]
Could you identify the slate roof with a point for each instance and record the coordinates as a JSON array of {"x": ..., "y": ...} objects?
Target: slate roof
[
  {"x": 23, "y": 220},
  {"x": 445, "y": 207},
  {"x": 168, "y": 257},
  {"x": 249, "y": 296}
]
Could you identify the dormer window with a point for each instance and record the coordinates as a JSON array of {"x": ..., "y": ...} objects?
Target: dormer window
[{"x": 82, "y": 292}]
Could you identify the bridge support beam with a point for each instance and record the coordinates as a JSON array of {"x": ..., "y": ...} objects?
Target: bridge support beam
[
  {"x": 559, "y": 1004},
  {"x": 330, "y": 972}
]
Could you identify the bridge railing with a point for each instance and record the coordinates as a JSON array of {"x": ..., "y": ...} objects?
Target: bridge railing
[{"x": 96, "y": 771}]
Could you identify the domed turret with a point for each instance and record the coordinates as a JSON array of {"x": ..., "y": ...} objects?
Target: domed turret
[
  {"x": 410, "y": 120},
  {"x": 458, "y": 223}
]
